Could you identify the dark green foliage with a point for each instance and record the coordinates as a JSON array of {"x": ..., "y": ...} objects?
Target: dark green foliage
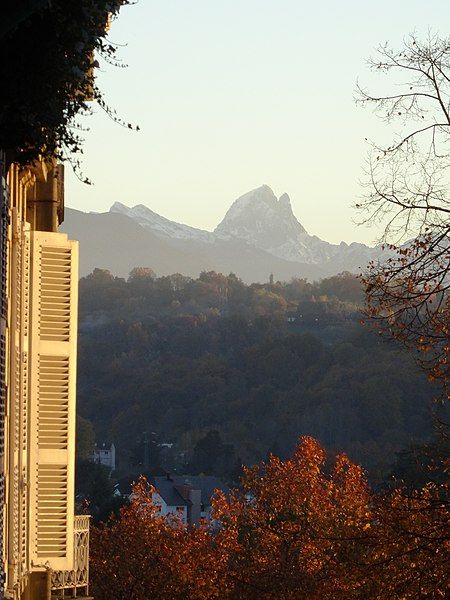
[
  {"x": 93, "y": 483},
  {"x": 47, "y": 72},
  {"x": 145, "y": 453},
  {"x": 184, "y": 358},
  {"x": 95, "y": 491},
  {"x": 85, "y": 437},
  {"x": 211, "y": 456}
]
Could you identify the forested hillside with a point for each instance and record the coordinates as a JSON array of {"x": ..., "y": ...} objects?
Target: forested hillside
[{"x": 227, "y": 372}]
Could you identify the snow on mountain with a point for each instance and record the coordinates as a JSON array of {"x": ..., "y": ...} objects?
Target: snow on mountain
[
  {"x": 266, "y": 222},
  {"x": 160, "y": 225},
  {"x": 260, "y": 220},
  {"x": 135, "y": 245}
]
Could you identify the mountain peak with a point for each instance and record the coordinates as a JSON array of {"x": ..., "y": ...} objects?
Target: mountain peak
[
  {"x": 285, "y": 201},
  {"x": 118, "y": 207},
  {"x": 266, "y": 222},
  {"x": 261, "y": 195}
]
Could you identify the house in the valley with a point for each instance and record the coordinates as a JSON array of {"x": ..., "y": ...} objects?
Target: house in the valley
[
  {"x": 105, "y": 454},
  {"x": 188, "y": 496}
]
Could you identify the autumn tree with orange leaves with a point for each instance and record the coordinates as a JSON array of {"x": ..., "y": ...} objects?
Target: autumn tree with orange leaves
[
  {"x": 141, "y": 555},
  {"x": 291, "y": 528},
  {"x": 295, "y": 530}
]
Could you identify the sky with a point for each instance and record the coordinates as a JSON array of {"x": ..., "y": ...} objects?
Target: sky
[{"x": 233, "y": 94}]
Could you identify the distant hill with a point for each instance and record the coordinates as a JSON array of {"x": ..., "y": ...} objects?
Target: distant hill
[
  {"x": 116, "y": 242},
  {"x": 261, "y": 363},
  {"x": 259, "y": 235}
]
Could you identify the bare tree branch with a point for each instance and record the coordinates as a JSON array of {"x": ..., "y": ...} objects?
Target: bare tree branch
[{"x": 407, "y": 186}]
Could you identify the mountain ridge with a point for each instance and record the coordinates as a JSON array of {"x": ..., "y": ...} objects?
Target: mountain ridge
[
  {"x": 262, "y": 220},
  {"x": 258, "y": 235},
  {"x": 116, "y": 242}
]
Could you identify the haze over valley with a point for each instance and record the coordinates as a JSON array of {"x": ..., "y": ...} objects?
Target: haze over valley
[{"x": 258, "y": 235}]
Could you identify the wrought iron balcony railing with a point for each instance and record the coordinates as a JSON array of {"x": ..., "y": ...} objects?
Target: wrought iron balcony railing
[{"x": 79, "y": 576}]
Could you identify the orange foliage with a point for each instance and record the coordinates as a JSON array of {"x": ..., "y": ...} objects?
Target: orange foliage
[
  {"x": 293, "y": 530},
  {"x": 141, "y": 555}
]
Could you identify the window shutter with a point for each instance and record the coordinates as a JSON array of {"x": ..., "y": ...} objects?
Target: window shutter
[
  {"x": 52, "y": 361},
  {"x": 4, "y": 219},
  {"x": 22, "y": 250},
  {"x": 17, "y": 352}
]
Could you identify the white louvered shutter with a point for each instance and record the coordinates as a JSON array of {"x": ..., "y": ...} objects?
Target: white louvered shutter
[
  {"x": 53, "y": 331},
  {"x": 22, "y": 328},
  {"x": 19, "y": 259}
]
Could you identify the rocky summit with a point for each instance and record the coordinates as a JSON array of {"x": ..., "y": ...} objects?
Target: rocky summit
[{"x": 266, "y": 222}]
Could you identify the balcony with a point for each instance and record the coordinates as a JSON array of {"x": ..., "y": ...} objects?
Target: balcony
[{"x": 75, "y": 583}]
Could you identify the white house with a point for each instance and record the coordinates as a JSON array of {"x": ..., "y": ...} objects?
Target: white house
[
  {"x": 186, "y": 495},
  {"x": 105, "y": 455}
]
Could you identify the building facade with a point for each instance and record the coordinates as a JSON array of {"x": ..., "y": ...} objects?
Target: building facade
[
  {"x": 44, "y": 545},
  {"x": 186, "y": 496},
  {"x": 105, "y": 454}
]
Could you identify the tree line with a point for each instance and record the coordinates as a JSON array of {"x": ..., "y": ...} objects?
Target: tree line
[{"x": 226, "y": 372}]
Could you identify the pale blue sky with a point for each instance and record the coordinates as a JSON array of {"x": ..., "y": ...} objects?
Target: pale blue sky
[{"x": 231, "y": 94}]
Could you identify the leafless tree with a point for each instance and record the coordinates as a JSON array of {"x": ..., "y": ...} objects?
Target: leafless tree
[{"x": 408, "y": 189}]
